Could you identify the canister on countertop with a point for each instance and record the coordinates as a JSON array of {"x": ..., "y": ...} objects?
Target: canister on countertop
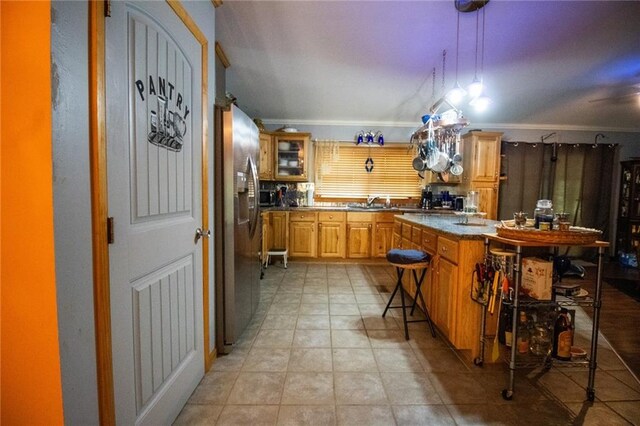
[{"x": 543, "y": 213}]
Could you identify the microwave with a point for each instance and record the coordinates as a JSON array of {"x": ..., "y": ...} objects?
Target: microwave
[{"x": 267, "y": 198}]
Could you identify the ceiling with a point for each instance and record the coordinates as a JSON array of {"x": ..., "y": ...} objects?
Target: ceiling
[{"x": 360, "y": 63}]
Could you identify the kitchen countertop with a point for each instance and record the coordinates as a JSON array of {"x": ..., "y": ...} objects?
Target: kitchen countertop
[
  {"x": 448, "y": 225},
  {"x": 362, "y": 209}
]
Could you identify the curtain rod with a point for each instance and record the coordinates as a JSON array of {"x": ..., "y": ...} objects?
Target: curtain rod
[{"x": 515, "y": 143}]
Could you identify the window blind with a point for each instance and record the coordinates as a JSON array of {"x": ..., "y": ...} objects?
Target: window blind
[{"x": 340, "y": 171}]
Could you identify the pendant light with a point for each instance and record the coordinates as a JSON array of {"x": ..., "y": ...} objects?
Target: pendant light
[
  {"x": 455, "y": 95},
  {"x": 480, "y": 102},
  {"x": 476, "y": 86}
]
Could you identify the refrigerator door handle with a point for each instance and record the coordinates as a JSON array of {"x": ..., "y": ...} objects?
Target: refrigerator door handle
[{"x": 253, "y": 224}]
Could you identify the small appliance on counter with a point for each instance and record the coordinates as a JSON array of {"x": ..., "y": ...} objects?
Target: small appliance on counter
[{"x": 267, "y": 198}]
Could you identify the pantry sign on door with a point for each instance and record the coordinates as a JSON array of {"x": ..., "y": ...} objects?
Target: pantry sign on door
[{"x": 161, "y": 94}]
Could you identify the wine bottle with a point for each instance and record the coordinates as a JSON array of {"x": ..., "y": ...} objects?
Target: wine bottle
[
  {"x": 562, "y": 336},
  {"x": 505, "y": 318},
  {"x": 523, "y": 333},
  {"x": 508, "y": 327}
]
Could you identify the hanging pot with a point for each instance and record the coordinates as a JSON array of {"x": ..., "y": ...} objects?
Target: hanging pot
[{"x": 419, "y": 164}]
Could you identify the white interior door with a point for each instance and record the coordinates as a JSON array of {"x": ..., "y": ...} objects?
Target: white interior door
[{"x": 154, "y": 134}]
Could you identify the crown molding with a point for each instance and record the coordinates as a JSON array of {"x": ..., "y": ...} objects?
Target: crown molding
[{"x": 409, "y": 124}]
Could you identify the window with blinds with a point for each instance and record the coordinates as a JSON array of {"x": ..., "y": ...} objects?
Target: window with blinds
[{"x": 340, "y": 171}]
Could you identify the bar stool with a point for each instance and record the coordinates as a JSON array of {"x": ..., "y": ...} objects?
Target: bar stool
[{"x": 413, "y": 260}]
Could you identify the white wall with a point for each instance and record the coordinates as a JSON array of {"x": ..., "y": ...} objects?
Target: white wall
[
  {"x": 72, "y": 210},
  {"x": 72, "y": 203}
]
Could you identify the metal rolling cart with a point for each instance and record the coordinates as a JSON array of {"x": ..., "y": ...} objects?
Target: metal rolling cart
[
  {"x": 497, "y": 265},
  {"x": 523, "y": 361}
]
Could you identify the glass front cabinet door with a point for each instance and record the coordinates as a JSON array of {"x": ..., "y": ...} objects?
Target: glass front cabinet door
[{"x": 291, "y": 151}]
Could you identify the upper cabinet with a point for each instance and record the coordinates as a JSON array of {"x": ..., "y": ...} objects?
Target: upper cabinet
[
  {"x": 266, "y": 156},
  {"x": 482, "y": 169},
  {"x": 291, "y": 152}
]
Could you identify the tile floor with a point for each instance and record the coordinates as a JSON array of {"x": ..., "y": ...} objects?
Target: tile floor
[{"x": 319, "y": 353}]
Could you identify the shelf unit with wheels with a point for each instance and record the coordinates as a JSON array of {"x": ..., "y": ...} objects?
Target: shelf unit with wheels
[{"x": 518, "y": 302}]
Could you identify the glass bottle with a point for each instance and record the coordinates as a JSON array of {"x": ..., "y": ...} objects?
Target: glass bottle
[
  {"x": 523, "y": 333},
  {"x": 540, "y": 340},
  {"x": 562, "y": 336},
  {"x": 543, "y": 214}
]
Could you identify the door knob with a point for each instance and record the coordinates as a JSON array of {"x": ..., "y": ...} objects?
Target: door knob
[{"x": 200, "y": 233}]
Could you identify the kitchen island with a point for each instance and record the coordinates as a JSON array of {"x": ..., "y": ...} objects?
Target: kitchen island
[{"x": 454, "y": 248}]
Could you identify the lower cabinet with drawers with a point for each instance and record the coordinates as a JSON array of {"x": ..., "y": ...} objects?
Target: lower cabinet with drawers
[{"x": 447, "y": 285}]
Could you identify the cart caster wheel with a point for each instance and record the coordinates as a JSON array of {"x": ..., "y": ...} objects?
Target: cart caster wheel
[
  {"x": 261, "y": 275},
  {"x": 507, "y": 394},
  {"x": 591, "y": 395},
  {"x": 478, "y": 362}
]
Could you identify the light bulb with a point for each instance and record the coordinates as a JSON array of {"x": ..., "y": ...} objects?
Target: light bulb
[
  {"x": 455, "y": 95},
  {"x": 475, "y": 88},
  {"x": 481, "y": 103}
]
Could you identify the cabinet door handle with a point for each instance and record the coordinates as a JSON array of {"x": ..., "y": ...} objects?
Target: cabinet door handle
[{"x": 369, "y": 226}]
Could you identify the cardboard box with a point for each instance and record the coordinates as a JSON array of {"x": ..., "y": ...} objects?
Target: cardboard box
[{"x": 537, "y": 278}]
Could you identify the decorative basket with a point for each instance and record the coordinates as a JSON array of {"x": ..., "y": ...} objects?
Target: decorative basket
[{"x": 574, "y": 236}]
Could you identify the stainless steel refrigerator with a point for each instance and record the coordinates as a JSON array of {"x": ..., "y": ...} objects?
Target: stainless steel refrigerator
[{"x": 238, "y": 291}]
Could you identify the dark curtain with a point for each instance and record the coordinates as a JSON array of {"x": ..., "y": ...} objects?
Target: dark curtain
[{"x": 577, "y": 178}]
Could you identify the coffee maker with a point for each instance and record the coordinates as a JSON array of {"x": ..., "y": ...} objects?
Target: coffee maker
[{"x": 426, "y": 201}]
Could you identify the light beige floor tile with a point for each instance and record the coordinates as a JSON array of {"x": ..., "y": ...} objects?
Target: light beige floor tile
[
  {"x": 458, "y": 388},
  {"x": 315, "y": 297},
  {"x": 369, "y": 298},
  {"x": 274, "y": 339},
  {"x": 608, "y": 388},
  {"x": 346, "y": 322},
  {"x": 410, "y": 389},
  {"x": 596, "y": 413},
  {"x": 342, "y": 298},
  {"x": 343, "y": 309},
  {"x": 314, "y": 309},
  {"x": 625, "y": 377},
  {"x": 279, "y": 322},
  {"x": 248, "y": 415},
  {"x": 311, "y": 359},
  {"x": 287, "y": 298},
  {"x": 214, "y": 388},
  {"x": 307, "y": 415},
  {"x": 359, "y": 388},
  {"x": 267, "y": 359},
  {"x": 350, "y": 339},
  {"x": 423, "y": 338},
  {"x": 387, "y": 339},
  {"x": 510, "y": 414},
  {"x": 370, "y": 415},
  {"x": 197, "y": 414},
  {"x": 562, "y": 388},
  {"x": 354, "y": 360},
  {"x": 630, "y": 410},
  {"x": 439, "y": 360},
  {"x": 257, "y": 388},
  {"x": 340, "y": 289},
  {"x": 284, "y": 309},
  {"x": 413, "y": 415},
  {"x": 379, "y": 323},
  {"x": 290, "y": 288},
  {"x": 230, "y": 362},
  {"x": 313, "y": 322},
  {"x": 397, "y": 360},
  {"x": 308, "y": 389},
  {"x": 312, "y": 339},
  {"x": 372, "y": 309},
  {"x": 316, "y": 289}
]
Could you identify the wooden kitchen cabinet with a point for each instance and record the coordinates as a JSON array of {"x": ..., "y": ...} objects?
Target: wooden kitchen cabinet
[
  {"x": 303, "y": 240},
  {"x": 444, "y": 291},
  {"x": 332, "y": 234},
  {"x": 278, "y": 230},
  {"x": 382, "y": 240},
  {"x": 481, "y": 164},
  {"x": 266, "y": 156},
  {"x": 359, "y": 235},
  {"x": 291, "y": 152}
]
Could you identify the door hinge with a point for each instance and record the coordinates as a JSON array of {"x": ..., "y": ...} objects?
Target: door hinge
[
  {"x": 110, "y": 231},
  {"x": 107, "y": 8}
]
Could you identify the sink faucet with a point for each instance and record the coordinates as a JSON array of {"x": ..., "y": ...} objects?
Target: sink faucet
[{"x": 371, "y": 199}]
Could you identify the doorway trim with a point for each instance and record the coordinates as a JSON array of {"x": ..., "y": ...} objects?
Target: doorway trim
[{"x": 100, "y": 206}]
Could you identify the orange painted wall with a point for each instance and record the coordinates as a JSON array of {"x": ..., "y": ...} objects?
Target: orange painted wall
[{"x": 31, "y": 384}]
